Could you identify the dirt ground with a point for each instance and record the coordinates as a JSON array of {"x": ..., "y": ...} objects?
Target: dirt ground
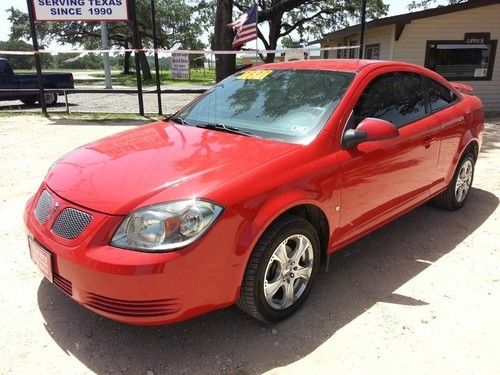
[{"x": 420, "y": 296}]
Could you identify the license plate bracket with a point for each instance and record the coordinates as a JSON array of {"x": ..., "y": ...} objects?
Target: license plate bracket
[{"x": 42, "y": 258}]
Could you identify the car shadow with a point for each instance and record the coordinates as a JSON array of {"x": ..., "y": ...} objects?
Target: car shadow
[{"x": 227, "y": 341}]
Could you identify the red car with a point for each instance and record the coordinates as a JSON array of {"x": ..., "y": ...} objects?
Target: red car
[{"x": 244, "y": 193}]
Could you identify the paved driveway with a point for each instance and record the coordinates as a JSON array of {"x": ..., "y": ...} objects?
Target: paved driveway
[{"x": 419, "y": 296}]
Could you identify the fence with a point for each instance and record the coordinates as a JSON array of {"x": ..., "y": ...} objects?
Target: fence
[{"x": 170, "y": 94}]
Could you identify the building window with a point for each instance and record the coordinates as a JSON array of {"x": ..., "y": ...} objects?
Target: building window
[
  {"x": 372, "y": 52},
  {"x": 460, "y": 61}
]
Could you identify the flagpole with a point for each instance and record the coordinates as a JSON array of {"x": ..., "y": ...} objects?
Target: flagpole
[{"x": 256, "y": 33}]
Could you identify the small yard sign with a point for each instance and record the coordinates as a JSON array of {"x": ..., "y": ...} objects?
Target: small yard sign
[
  {"x": 80, "y": 10},
  {"x": 180, "y": 65}
]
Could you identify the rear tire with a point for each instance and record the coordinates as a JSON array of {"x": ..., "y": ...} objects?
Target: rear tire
[
  {"x": 50, "y": 99},
  {"x": 281, "y": 270},
  {"x": 456, "y": 193}
]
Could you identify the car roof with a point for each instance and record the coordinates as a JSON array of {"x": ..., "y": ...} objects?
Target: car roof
[{"x": 346, "y": 65}]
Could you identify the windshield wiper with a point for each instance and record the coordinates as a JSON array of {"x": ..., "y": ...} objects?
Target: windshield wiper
[
  {"x": 226, "y": 128},
  {"x": 179, "y": 120}
]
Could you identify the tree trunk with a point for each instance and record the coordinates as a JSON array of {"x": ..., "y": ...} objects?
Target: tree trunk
[
  {"x": 126, "y": 61},
  {"x": 143, "y": 61},
  {"x": 274, "y": 35},
  {"x": 225, "y": 65}
]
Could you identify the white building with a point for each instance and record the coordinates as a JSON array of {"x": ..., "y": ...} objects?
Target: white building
[{"x": 458, "y": 41}]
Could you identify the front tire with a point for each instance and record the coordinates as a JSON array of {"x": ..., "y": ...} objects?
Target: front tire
[
  {"x": 281, "y": 270},
  {"x": 456, "y": 193}
]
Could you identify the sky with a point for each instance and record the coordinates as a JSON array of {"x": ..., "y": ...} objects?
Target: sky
[{"x": 395, "y": 7}]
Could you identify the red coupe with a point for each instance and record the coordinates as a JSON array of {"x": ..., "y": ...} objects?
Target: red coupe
[{"x": 244, "y": 193}]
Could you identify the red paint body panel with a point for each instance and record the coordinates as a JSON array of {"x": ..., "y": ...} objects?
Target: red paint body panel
[{"x": 255, "y": 180}]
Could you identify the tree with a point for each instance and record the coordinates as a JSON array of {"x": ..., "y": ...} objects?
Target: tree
[
  {"x": 424, "y": 4},
  {"x": 18, "y": 61},
  {"x": 174, "y": 18},
  {"x": 223, "y": 39},
  {"x": 307, "y": 18}
]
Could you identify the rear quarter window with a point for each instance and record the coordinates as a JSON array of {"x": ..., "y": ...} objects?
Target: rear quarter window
[{"x": 439, "y": 95}]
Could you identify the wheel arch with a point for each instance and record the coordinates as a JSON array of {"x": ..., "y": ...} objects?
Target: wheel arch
[{"x": 298, "y": 203}]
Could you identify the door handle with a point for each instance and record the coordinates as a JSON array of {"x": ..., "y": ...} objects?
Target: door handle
[{"x": 428, "y": 141}]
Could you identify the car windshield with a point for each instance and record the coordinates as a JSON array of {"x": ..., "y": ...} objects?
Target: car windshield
[{"x": 285, "y": 105}]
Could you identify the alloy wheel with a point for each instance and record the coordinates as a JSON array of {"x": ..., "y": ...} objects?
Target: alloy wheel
[{"x": 288, "y": 271}]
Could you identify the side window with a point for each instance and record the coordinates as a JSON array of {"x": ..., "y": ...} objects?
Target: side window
[
  {"x": 439, "y": 96},
  {"x": 394, "y": 97}
]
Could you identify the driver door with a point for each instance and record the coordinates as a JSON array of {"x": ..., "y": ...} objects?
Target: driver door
[{"x": 380, "y": 179}]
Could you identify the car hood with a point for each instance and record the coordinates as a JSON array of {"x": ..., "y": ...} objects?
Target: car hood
[{"x": 154, "y": 163}]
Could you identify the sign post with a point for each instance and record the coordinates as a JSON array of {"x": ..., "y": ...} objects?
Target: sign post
[
  {"x": 87, "y": 11},
  {"x": 157, "y": 63},
  {"x": 38, "y": 62},
  {"x": 135, "y": 32},
  {"x": 105, "y": 55}
]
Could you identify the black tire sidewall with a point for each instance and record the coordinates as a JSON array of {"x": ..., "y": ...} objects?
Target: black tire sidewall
[{"x": 299, "y": 227}]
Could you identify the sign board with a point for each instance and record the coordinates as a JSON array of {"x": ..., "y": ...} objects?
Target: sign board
[
  {"x": 180, "y": 65},
  {"x": 80, "y": 10},
  {"x": 296, "y": 55},
  {"x": 477, "y": 38}
]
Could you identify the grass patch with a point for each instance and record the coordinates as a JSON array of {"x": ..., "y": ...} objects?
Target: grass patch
[{"x": 198, "y": 76}]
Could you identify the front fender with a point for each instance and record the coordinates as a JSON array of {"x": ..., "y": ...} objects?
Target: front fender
[{"x": 252, "y": 229}]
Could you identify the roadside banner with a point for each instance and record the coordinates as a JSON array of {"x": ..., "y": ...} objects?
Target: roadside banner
[{"x": 80, "y": 10}]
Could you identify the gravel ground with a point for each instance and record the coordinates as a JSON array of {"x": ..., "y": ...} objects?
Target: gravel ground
[
  {"x": 419, "y": 296},
  {"x": 113, "y": 103}
]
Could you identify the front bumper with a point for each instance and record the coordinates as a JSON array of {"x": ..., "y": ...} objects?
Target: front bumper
[{"x": 138, "y": 287}]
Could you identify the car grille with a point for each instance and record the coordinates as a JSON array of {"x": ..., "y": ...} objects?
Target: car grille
[
  {"x": 43, "y": 206},
  {"x": 146, "y": 308},
  {"x": 70, "y": 223}
]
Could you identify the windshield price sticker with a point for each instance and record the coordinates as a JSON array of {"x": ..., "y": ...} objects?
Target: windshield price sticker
[
  {"x": 254, "y": 74},
  {"x": 80, "y": 10}
]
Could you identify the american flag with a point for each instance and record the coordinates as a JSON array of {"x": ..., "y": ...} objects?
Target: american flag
[{"x": 245, "y": 27}]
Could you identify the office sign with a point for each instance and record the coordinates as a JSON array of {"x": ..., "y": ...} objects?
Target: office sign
[
  {"x": 180, "y": 65},
  {"x": 477, "y": 38},
  {"x": 80, "y": 10}
]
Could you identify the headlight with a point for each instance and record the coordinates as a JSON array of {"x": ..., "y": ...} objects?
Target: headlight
[{"x": 166, "y": 226}]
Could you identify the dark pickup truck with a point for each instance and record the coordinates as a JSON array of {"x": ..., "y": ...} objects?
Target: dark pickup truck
[{"x": 11, "y": 81}]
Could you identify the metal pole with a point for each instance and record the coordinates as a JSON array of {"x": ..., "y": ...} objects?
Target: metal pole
[
  {"x": 362, "y": 36},
  {"x": 105, "y": 55},
  {"x": 135, "y": 30},
  {"x": 66, "y": 101},
  {"x": 157, "y": 64},
  {"x": 38, "y": 62}
]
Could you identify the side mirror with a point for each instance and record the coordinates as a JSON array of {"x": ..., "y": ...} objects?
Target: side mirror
[{"x": 370, "y": 129}]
